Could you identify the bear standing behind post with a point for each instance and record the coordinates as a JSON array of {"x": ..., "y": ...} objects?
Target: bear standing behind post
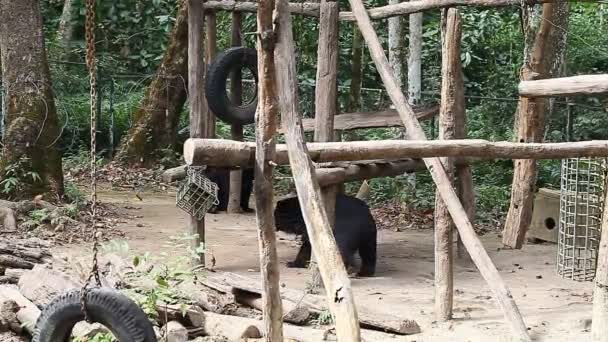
[
  {"x": 221, "y": 177},
  {"x": 354, "y": 230}
]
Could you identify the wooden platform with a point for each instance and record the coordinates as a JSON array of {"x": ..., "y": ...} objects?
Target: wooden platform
[{"x": 357, "y": 120}]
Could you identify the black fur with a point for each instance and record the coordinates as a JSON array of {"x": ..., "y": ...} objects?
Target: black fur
[
  {"x": 221, "y": 177},
  {"x": 355, "y": 230}
]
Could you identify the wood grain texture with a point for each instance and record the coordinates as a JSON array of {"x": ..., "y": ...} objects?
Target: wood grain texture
[
  {"x": 217, "y": 152},
  {"x": 440, "y": 177},
  {"x": 337, "y": 284},
  {"x": 266, "y": 127},
  {"x": 599, "y": 328},
  {"x": 198, "y": 103},
  {"x": 565, "y": 86}
]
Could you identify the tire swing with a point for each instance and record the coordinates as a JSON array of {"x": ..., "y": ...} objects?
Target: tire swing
[
  {"x": 115, "y": 311},
  {"x": 233, "y": 59}
]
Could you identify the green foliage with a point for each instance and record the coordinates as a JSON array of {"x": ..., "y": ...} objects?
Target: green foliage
[
  {"x": 74, "y": 195},
  {"x": 323, "y": 318},
  {"x": 17, "y": 176},
  {"x": 133, "y": 35}
]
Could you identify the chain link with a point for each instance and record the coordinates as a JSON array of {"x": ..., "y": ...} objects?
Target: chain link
[{"x": 91, "y": 66}]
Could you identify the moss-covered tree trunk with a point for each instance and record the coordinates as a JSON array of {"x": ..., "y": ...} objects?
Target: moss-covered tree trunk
[
  {"x": 31, "y": 130},
  {"x": 156, "y": 120}
]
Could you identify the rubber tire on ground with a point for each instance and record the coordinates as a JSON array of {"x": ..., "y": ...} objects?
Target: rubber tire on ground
[
  {"x": 115, "y": 311},
  {"x": 215, "y": 85}
]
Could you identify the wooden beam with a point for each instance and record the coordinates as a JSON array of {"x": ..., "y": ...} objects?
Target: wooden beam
[
  {"x": 326, "y": 105},
  {"x": 336, "y": 175},
  {"x": 340, "y": 297},
  {"x": 599, "y": 328},
  {"x": 452, "y": 108},
  {"x": 311, "y": 9},
  {"x": 236, "y": 130},
  {"x": 218, "y": 152},
  {"x": 440, "y": 177},
  {"x": 198, "y": 103},
  {"x": 357, "y": 120},
  {"x": 266, "y": 127},
  {"x": 210, "y": 51},
  {"x": 565, "y": 86}
]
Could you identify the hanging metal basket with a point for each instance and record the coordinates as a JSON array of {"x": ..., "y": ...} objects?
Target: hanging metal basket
[{"x": 197, "y": 194}]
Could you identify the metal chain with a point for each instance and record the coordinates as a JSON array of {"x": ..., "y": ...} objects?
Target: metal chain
[{"x": 91, "y": 66}]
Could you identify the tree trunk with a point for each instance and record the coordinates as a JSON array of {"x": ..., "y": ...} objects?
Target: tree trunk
[
  {"x": 414, "y": 74},
  {"x": 65, "y": 32},
  {"x": 354, "y": 98},
  {"x": 236, "y": 130},
  {"x": 31, "y": 117},
  {"x": 544, "y": 52},
  {"x": 156, "y": 120}
]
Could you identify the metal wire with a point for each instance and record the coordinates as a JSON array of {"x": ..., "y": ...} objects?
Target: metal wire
[
  {"x": 197, "y": 194},
  {"x": 581, "y": 205}
]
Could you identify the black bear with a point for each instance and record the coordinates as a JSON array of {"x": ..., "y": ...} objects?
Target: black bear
[
  {"x": 354, "y": 230},
  {"x": 221, "y": 177}
]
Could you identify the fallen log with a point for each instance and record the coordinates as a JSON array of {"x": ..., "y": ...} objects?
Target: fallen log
[
  {"x": 233, "y": 283},
  {"x": 565, "y": 86},
  {"x": 233, "y": 328},
  {"x": 295, "y": 313},
  {"x": 189, "y": 316},
  {"x": 218, "y": 152}
]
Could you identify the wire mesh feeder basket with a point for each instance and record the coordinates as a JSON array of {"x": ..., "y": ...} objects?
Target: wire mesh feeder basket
[
  {"x": 580, "y": 217},
  {"x": 197, "y": 194}
]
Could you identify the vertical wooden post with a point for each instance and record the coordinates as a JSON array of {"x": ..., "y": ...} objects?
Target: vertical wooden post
[
  {"x": 452, "y": 108},
  {"x": 210, "y": 51},
  {"x": 236, "y": 130},
  {"x": 266, "y": 128},
  {"x": 544, "y": 52},
  {"x": 337, "y": 284},
  {"x": 198, "y": 104},
  {"x": 599, "y": 328},
  {"x": 354, "y": 95},
  {"x": 471, "y": 241},
  {"x": 326, "y": 102}
]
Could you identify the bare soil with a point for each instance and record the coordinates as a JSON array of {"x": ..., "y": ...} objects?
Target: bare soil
[{"x": 555, "y": 309}]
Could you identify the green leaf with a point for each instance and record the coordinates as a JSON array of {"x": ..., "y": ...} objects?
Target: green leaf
[{"x": 136, "y": 261}]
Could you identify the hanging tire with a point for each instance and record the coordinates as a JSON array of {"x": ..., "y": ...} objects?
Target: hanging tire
[
  {"x": 114, "y": 310},
  {"x": 219, "y": 70}
]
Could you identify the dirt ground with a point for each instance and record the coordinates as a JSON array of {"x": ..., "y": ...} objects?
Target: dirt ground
[{"x": 554, "y": 309}]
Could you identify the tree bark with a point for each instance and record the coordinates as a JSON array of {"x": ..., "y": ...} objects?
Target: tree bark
[
  {"x": 469, "y": 237},
  {"x": 545, "y": 46},
  {"x": 156, "y": 120},
  {"x": 198, "y": 104},
  {"x": 337, "y": 284},
  {"x": 266, "y": 129},
  {"x": 31, "y": 129},
  {"x": 354, "y": 96},
  {"x": 565, "y": 86},
  {"x": 65, "y": 32},
  {"x": 599, "y": 329},
  {"x": 236, "y": 130}
]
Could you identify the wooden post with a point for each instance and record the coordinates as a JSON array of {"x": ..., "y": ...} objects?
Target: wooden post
[
  {"x": 326, "y": 103},
  {"x": 337, "y": 284},
  {"x": 198, "y": 104},
  {"x": 414, "y": 130},
  {"x": 236, "y": 130},
  {"x": 543, "y": 53},
  {"x": 210, "y": 51},
  {"x": 266, "y": 128},
  {"x": 599, "y": 328},
  {"x": 452, "y": 108}
]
